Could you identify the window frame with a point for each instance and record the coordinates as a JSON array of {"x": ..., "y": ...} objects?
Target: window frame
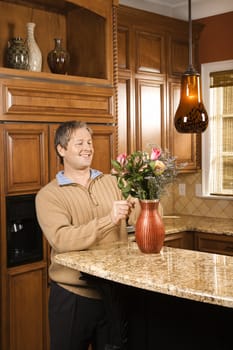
[{"x": 206, "y": 69}]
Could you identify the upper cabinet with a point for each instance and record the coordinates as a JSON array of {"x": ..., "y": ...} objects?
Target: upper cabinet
[
  {"x": 88, "y": 32},
  {"x": 178, "y": 48},
  {"x": 85, "y": 27},
  {"x": 150, "y": 53},
  {"x": 153, "y": 53}
]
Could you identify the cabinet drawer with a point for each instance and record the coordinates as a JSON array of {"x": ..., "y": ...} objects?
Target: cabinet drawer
[
  {"x": 214, "y": 243},
  {"x": 49, "y": 101}
]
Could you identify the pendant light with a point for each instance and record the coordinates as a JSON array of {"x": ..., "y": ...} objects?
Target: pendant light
[{"x": 191, "y": 115}]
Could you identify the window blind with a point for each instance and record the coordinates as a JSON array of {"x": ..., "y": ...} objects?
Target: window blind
[
  {"x": 221, "y": 150},
  {"x": 221, "y": 78}
]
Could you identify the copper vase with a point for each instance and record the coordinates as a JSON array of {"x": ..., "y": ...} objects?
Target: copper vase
[{"x": 149, "y": 230}]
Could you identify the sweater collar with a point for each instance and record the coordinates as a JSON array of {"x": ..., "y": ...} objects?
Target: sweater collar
[{"x": 63, "y": 180}]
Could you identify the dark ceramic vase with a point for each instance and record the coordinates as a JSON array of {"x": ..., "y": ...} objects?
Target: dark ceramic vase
[
  {"x": 17, "y": 54},
  {"x": 149, "y": 229},
  {"x": 58, "y": 59}
]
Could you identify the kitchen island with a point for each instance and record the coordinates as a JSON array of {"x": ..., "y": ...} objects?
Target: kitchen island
[
  {"x": 178, "y": 297},
  {"x": 182, "y": 273}
]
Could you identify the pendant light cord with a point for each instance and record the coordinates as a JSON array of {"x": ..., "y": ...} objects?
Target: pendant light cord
[{"x": 190, "y": 36}]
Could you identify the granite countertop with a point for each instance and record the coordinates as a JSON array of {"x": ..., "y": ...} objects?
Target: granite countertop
[
  {"x": 177, "y": 223},
  {"x": 188, "y": 274},
  {"x": 181, "y": 223}
]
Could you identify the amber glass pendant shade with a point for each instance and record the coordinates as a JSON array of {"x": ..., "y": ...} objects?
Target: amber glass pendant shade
[{"x": 191, "y": 115}]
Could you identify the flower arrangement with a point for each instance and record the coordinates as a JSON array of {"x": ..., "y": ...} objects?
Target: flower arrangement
[{"x": 143, "y": 175}]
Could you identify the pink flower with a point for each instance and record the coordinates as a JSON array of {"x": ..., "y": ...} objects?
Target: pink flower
[
  {"x": 121, "y": 158},
  {"x": 155, "y": 153}
]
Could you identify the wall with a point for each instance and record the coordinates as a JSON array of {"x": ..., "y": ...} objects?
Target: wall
[
  {"x": 215, "y": 45},
  {"x": 216, "y": 38}
]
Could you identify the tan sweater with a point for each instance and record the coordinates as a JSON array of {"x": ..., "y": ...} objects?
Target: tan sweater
[{"x": 73, "y": 218}]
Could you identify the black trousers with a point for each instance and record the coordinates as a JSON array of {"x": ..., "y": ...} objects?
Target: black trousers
[{"x": 76, "y": 321}]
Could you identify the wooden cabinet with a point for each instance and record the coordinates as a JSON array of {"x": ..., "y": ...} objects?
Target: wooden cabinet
[
  {"x": 184, "y": 240},
  {"x": 28, "y": 156},
  {"x": 26, "y": 308},
  {"x": 214, "y": 243},
  {"x": 104, "y": 146},
  {"x": 85, "y": 27},
  {"x": 150, "y": 124},
  {"x": 142, "y": 83},
  {"x": 126, "y": 127},
  {"x": 201, "y": 241},
  {"x": 41, "y": 98},
  {"x": 54, "y": 161},
  {"x": 178, "y": 51},
  {"x": 25, "y": 157},
  {"x": 32, "y": 105},
  {"x": 152, "y": 55}
]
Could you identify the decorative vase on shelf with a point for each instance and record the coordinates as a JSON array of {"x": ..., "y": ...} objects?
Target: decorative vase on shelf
[
  {"x": 149, "y": 229},
  {"x": 58, "y": 59},
  {"x": 35, "y": 56},
  {"x": 17, "y": 54}
]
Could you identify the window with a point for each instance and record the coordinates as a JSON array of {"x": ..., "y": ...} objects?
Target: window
[{"x": 217, "y": 141}]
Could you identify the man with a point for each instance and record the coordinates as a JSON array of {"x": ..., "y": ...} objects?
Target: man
[{"x": 80, "y": 209}]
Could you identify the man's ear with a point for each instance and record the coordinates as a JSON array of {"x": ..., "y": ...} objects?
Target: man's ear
[{"x": 60, "y": 150}]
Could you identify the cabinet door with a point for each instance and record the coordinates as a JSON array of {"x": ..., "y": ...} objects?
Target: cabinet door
[
  {"x": 25, "y": 157},
  {"x": 147, "y": 126},
  {"x": 186, "y": 147},
  {"x": 179, "y": 55},
  {"x": 126, "y": 128},
  {"x": 28, "y": 308},
  {"x": 150, "y": 123},
  {"x": 214, "y": 243},
  {"x": 150, "y": 52},
  {"x": 178, "y": 48},
  {"x": 104, "y": 146},
  {"x": 184, "y": 240},
  {"x": 54, "y": 161},
  {"x": 174, "y": 240}
]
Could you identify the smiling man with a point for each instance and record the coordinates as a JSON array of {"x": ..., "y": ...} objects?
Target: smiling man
[{"x": 80, "y": 209}]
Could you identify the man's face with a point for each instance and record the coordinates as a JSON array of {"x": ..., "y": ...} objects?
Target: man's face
[{"x": 79, "y": 152}]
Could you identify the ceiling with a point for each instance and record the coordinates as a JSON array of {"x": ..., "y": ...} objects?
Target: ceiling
[{"x": 179, "y": 8}]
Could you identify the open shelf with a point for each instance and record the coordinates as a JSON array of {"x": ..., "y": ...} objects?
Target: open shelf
[{"x": 85, "y": 28}]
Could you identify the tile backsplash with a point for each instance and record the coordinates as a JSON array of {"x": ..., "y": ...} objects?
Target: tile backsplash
[{"x": 191, "y": 204}]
